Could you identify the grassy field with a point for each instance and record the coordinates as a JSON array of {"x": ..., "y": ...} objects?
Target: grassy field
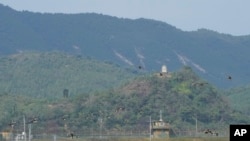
[{"x": 139, "y": 139}]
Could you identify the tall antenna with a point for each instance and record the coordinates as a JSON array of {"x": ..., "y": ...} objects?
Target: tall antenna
[{"x": 160, "y": 116}]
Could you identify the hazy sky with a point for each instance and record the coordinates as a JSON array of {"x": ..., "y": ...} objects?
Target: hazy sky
[{"x": 224, "y": 16}]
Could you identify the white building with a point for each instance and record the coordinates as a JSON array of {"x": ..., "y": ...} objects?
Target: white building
[{"x": 164, "y": 69}]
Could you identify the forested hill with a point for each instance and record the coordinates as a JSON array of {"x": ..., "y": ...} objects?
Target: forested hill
[
  {"x": 128, "y": 42},
  {"x": 239, "y": 98},
  {"x": 46, "y": 75},
  {"x": 182, "y": 97}
]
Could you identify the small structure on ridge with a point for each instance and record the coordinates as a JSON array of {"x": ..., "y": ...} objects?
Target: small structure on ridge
[
  {"x": 164, "y": 72},
  {"x": 160, "y": 129}
]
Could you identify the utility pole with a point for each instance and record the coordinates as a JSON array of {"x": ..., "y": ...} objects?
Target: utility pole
[
  {"x": 196, "y": 124},
  {"x": 196, "y": 127},
  {"x": 100, "y": 127},
  {"x": 29, "y": 131},
  {"x": 24, "y": 130},
  {"x": 54, "y": 137},
  {"x": 150, "y": 128}
]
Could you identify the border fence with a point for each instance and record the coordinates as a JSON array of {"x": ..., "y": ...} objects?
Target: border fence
[{"x": 105, "y": 134}]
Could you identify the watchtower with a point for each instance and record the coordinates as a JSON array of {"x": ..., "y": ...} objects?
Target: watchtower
[
  {"x": 160, "y": 129},
  {"x": 164, "y": 69},
  {"x": 164, "y": 72}
]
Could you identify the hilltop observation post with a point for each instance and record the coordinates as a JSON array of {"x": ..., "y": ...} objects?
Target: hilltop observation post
[
  {"x": 164, "y": 69},
  {"x": 160, "y": 129},
  {"x": 164, "y": 72}
]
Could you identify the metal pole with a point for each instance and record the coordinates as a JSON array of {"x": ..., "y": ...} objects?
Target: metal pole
[
  {"x": 24, "y": 125},
  {"x": 196, "y": 126},
  {"x": 29, "y": 132},
  {"x": 150, "y": 128},
  {"x": 54, "y": 137},
  {"x": 100, "y": 127}
]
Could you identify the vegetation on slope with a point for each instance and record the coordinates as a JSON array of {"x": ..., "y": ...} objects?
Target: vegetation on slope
[
  {"x": 239, "y": 98},
  {"x": 183, "y": 98},
  {"x": 145, "y": 42},
  {"x": 46, "y": 75}
]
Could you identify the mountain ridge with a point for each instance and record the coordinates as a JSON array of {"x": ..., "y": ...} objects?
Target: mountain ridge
[{"x": 143, "y": 42}]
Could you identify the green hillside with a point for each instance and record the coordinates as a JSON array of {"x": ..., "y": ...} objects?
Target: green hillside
[
  {"x": 80, "y": 72},
  {"x": 239, "y": 98},
  {"x": 183, "y": 98},
  {"x": 127, "y": 42},
  {"x": 46, "y": 75}
]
